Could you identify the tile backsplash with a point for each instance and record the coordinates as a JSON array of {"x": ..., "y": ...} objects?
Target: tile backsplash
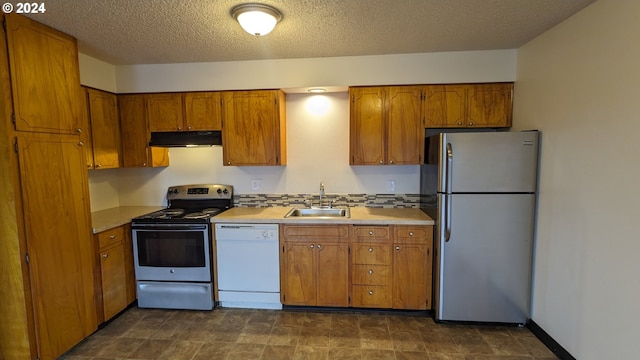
[{"x": 350, "y": 200}]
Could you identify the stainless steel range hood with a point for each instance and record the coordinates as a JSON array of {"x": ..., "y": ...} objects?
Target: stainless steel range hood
[{"x": 186, "y": 138}]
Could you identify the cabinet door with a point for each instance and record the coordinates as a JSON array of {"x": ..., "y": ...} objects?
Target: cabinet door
[
  {"x": 203, "y": 111},
  {"x": 45, "y": 77},
  {"x": 105, "y": 129},
  {"x": 412, "y": 276},
  {"x": 135, "y": 135},
  {"x": 489, "y": 105},
  {"x": 114, "y": 289},
  {"x": 165, "y": 112},
  {"x": 332, "y": 272},
  {"x": 129, "y": 270},
  {"x": 253, "y": 132},
  {"x": 55, "y": 199},
  {"x": 445, "y": 106},
  {"x": 299, "y": 285},
  {"x": 405, "y": 131},
  {"x": 85, "y": 134},
  {"x": 367, "y": 126}
]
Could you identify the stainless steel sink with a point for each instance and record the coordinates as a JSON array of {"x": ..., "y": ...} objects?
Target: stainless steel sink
[{"x": 319, "y": 213}]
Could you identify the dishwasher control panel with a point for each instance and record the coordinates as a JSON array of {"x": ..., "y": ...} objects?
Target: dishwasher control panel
[{"x": 246, "y": 232}]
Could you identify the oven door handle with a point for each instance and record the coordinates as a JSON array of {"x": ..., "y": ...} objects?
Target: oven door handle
[{"x": 167, "y": 227}]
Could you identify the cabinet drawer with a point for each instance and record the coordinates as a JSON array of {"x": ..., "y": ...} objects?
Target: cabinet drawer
[
  {"x": 371, "y": 296},
  {"x": 372, "y": 254},
  {"x": 371, "y": 275},
  {"x": 317, "y": 232},
  {"x": 110, "y": 237},
  {"x": 414, "y": 234},
  {"x": 370, "y": 233}
]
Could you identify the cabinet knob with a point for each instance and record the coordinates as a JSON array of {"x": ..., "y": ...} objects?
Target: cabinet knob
[
  {"x": 98, "y": 165},
  {"x": 104, "y": 256},
  {"x": 380, "y": 162},
  {"x": 144, "y": 164},
  {"x": 112, "y": 237},
  {"x": 390, "y": 161},
  {"x": 80, "y": 143},
  {"x": 370, "y": 292},
  {"x": 79, "y": 130},
  {"x": 370, "y": 271},
  {"x": 189, "y": 127},
  {"x": 228, "y": 162},
  {"x": 471, "y": 123},
  {"x": 89, "y": 166},
  {"x": 410, "y": 233},
  {"x": 311, "y": 246},
  {"x": 397, "y": 248},
  {"x": 370, "y": 249},
  {"x": 370, "y": 232},
  {"x": 179, "y": 127},
  {"x": 459, "y": 123},
  {"x": 319, "y": 246}
]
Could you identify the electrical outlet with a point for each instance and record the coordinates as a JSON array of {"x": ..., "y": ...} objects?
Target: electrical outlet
[
  {"x": 391, "y": 186},
  {"x": 256, "y": 184}
]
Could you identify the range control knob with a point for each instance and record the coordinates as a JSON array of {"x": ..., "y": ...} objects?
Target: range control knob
[
  {"x": 225, "y": 191},
  {"x": 219, "y": 191}
]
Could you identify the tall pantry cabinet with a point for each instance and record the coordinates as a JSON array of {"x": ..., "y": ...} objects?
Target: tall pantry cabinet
[{"x": 46, "y": 252}]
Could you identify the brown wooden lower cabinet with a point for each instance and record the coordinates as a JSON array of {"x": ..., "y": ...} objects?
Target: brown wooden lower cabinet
[
  {"x": 412, "y": 264},
  {"x": 115, "y": 280},
  {"x": 315, "y": 265},
  {"x": 373, "y": 267}
]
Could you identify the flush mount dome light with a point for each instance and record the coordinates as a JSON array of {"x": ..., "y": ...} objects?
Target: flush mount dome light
[{"x": 256, "y": 19}]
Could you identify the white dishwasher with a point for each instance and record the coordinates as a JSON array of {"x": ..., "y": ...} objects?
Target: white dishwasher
[{"x": 248, "y": 261}]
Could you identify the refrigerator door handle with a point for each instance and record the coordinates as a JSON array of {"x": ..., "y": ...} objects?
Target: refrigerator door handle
[
  {"x": 447, "y": 217},
  {"x": 449, "y": 166}
]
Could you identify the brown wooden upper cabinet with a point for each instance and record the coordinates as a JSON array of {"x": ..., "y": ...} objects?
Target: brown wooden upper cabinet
[
  {"x": 45, "y": 77},
  {"x": 254, "y": 128},
  {"x": 104, "y": 127},
  {"x": 468, "y": 106},
  {"x": 386, "y": 126},
  {"x": 192, "y": 111},
  {"x": 136, "y": 151}
]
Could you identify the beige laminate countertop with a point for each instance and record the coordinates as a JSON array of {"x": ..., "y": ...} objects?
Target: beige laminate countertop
[
  {"x": 111, "y": 218},
  {"x": 359, "y": 215}
]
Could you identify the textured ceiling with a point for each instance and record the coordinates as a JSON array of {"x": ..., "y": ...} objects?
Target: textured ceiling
[{"x": 177, "y": 31}]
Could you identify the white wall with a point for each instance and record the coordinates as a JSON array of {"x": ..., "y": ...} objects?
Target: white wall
[
  {"x": 97, "y": 73},
  {"x": 579, "y": 84},
  {"x": 446, "y": 67},
  {"x": 317, "y": 143}
]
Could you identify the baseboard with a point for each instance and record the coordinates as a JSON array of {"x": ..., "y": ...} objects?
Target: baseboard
[{"x": 546, "y": 339}]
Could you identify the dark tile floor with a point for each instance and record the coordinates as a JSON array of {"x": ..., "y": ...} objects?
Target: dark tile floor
[{"x": 268, "y": 334}]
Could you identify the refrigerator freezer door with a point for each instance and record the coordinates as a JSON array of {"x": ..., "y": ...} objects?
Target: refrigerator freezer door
[
  {"x": 490, "y": 162},
  {"x": 484, "y": 270}
]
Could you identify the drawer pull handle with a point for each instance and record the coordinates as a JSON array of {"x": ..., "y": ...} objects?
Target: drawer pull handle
[
  {"x": 370, "y": 249},
  {"x": 370, "y": 292},
  {"x": 112, "y": 237},
  {"x": 397, "y": 248},
  {"x": 371, "y": 272},
  {"x": 311, "y": 246}
]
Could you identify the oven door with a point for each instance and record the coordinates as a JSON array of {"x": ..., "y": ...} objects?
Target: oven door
[{"x": 172, "y": 252}]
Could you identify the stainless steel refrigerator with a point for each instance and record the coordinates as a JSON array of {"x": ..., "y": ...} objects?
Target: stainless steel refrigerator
[{"x": 481, "y": 190}]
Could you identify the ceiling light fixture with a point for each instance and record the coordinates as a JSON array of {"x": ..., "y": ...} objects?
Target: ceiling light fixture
[
  {"x": 256, "y": 19},
  {"x": 317, "y": 90}
]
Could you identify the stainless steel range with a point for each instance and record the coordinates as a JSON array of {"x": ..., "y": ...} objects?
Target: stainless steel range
[{"x": 172, "y": 248}]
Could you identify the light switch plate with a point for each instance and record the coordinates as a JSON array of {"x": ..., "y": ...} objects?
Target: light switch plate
[
  {"x": 391, "y": 185},
  {"x": 256, "y": 184}
]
